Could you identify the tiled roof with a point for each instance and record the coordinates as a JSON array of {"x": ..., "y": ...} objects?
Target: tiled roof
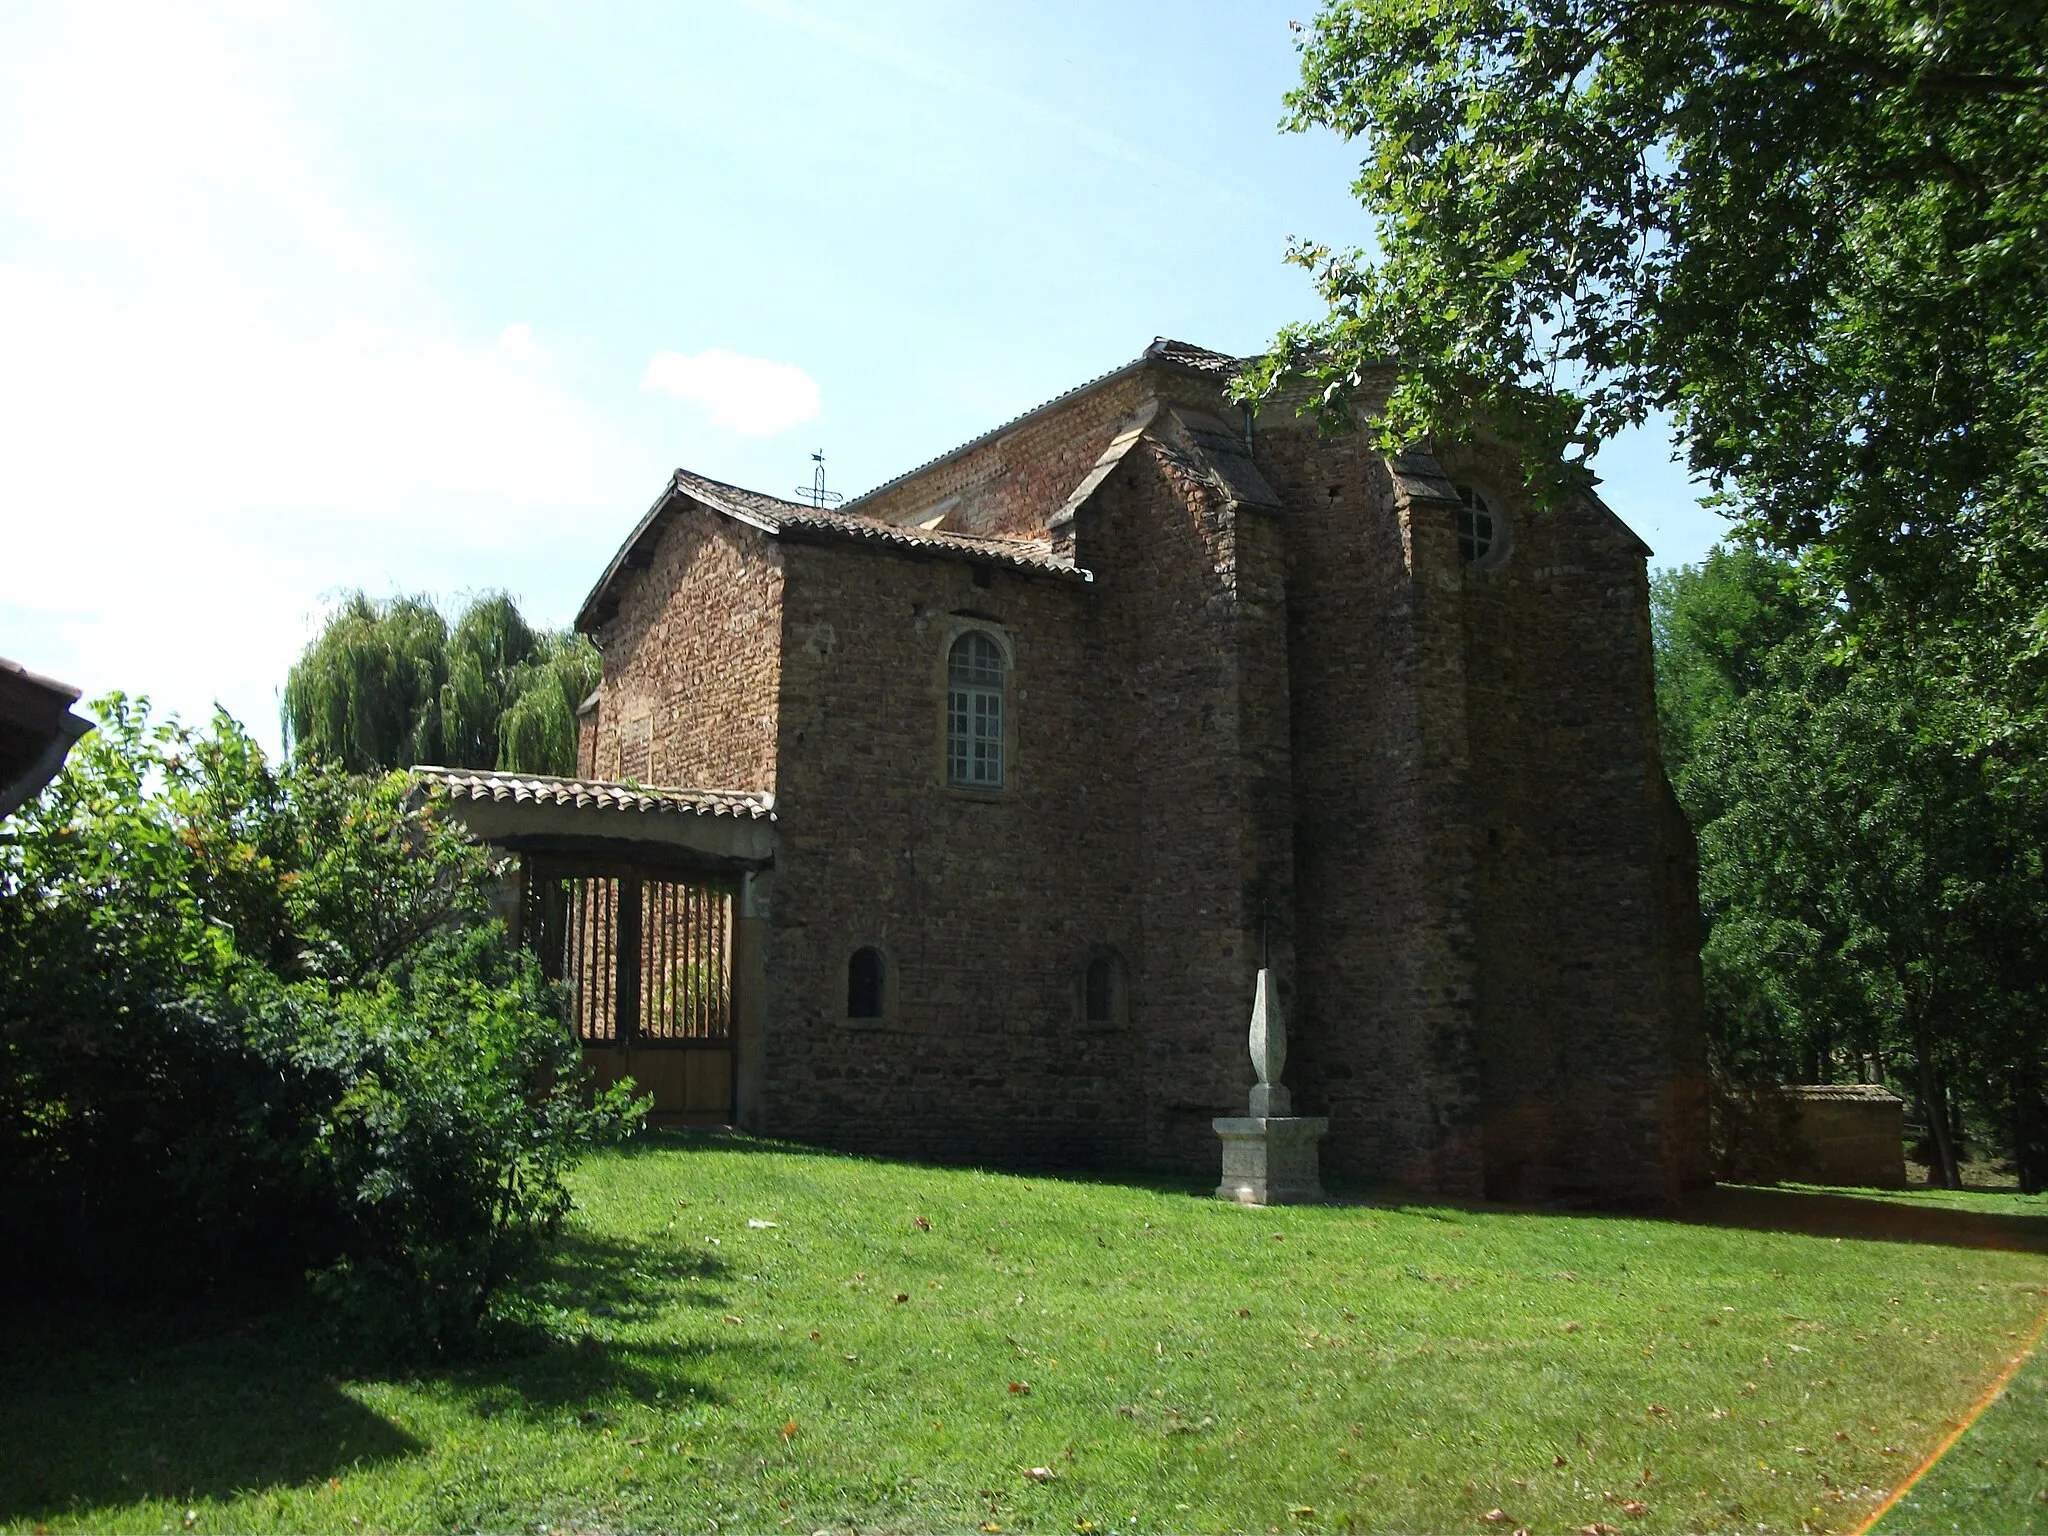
[
  {"x": 782, "y": 518},
  {"x": 778, "y": 516},
  {"x": 1188, "y": 355},
  {"x": 595, "y": 794},
  {"x": 1869, "y": 1093},
  {"x": 1164, "y": 349}
]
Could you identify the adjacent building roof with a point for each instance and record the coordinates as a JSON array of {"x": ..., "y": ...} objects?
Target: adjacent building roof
[
  {"x": 465, "y": 784},
  {"x": 37, "y": 729}
]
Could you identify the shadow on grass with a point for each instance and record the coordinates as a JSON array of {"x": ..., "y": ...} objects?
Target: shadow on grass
[
  {"x": 173, "y": 1405},
  {"x": 109, "y": 1410},
  {"x": 1871, "y": 1218}
]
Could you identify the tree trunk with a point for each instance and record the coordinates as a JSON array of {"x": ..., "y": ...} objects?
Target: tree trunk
[
  {"x": 1942, "y": 1172},
  {"x": 2029, "y": 1130}
]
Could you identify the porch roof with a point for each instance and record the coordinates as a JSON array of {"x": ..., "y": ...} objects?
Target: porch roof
[{"x": 597, "y": 818}]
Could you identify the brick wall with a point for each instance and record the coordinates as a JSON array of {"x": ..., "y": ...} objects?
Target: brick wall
[
  {"x": 1431, "y": 792},
  {"x": 987, "y": 907},
  {"x": 692, "y": 663}
]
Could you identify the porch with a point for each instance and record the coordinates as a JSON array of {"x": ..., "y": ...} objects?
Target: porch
[{"x": 641, "y": 902}]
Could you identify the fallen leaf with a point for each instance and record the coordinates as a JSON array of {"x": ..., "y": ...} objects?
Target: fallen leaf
[
  {"x": 1042, "y": 1475},
  {"x": 789, "y": 1430},
  {"x": 1598, "y": 1528},
  {"x": 991, "y": 1526},
  {"x": 1300, "y": 1511},
  {"x": 639, "y": 1440},
  {"x": 758, "y": 1225},
  {"x": 1658, "y": 1411},
  {"x": 1635, "y": 1508},
  {"x": 334, "y": 1484},
  {"x": 1021, "y": 1388},
  {"x": 922, "y": 1225},
  {"x": 903, "y": 1295},
  {"x": 1557, "y": 1461},
  {"x": 1574, "y": 1327},
  {"x": 730, "y": 1318},
  {"x": 191, "y": 1518},
  {"x": 1496, "y": 1517},
  {"x": 815, "y": 1335},
  {"x": 1085, "y": 1526},
  {"x": 1244, "y": 1311}
]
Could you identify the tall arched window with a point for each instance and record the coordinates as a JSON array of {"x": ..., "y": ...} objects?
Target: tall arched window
[
  {"x": 974, "y": 713},
  {"x": 1476, "y": 530},
  {"x": 866, "y": 984}
]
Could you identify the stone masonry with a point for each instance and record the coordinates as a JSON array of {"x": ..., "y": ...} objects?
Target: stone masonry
[{"x": 1259, "y": 710}]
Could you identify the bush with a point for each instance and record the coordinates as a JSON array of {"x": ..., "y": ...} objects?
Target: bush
[{"x": 255, "y": 1019}]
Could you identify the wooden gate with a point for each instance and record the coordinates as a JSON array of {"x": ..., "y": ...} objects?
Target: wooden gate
[{"x": 647, "y": 957}]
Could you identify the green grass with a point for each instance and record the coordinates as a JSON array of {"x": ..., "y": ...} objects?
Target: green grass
[
  {"x": 1995, "y": 1479},
  {"x": 770, "y": 1339}
]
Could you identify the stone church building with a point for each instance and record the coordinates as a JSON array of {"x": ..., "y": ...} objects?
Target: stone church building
[{"x": 1042, "y": 748}]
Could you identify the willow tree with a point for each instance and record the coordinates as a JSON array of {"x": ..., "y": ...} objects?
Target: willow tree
[
  {"x": 366, "y": 693},
  {"x": 388, "y": 684}
]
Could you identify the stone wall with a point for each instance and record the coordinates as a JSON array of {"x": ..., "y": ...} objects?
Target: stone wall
[
  {"x": 1383, "y": 944},
  {"x": 986, "y": 906},
  {"x": 1429, "y": 792},
  {"x": 693, "y": 663},
  {"x": 1578, "y": 1030}
]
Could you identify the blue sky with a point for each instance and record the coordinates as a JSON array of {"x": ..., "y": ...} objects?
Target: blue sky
[{"x": 297, "y": 300}]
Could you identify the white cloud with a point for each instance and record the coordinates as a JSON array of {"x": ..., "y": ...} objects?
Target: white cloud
[
  {"x": 747, "y": 395},
  {"x": 228, "y": 388}
]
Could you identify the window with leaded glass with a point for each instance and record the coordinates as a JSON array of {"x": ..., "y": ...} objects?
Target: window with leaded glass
[
  {"x": 974, "y": 713},
  {"x": 1476, "y": 528}
]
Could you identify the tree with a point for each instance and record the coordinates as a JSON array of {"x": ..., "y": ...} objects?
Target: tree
[
  {"x": 262, "y": 1020},
  {"x": 390, "y": 684},
  {"x": 1815, "y": 231},
  {"x": 1871, "y": 867}
]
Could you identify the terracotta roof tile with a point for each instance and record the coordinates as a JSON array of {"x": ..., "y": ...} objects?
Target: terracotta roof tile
[{"x": 597, "y": 794}]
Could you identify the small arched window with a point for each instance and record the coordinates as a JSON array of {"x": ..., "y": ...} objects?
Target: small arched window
[
  {"x": 974, "y": 713},
  {"x": 1099, "y": 991},
  {"x": 866, "y": 983},
  {"x": 1477, "y": 530}
]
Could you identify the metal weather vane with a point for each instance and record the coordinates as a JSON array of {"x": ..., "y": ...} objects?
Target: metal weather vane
[{"x": 815, "y": 493}]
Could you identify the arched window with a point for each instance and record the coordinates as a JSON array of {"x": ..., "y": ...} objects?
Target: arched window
[
  {"x": 1099, "y": 991},
  {"x": 1476, "y": 528},
  {"x": 866, "y": 984},
  {"x": 974, "y": 713}
]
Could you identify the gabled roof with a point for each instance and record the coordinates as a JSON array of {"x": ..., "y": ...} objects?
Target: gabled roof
[
  {"x": 1163, "y": 352},
  {"x": 792, "y": 520}
]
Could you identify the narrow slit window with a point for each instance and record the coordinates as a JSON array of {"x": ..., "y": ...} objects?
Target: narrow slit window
[
  {"x": 1101, "y": 990},
  {"x": 866, "y": 979},
  {"x": 974, "y": 713}
]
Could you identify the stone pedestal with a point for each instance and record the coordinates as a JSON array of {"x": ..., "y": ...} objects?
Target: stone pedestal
[{"x": 1271, "y": 1160}]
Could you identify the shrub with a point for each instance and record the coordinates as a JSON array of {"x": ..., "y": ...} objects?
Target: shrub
[{"x": 257, "y": 1018}]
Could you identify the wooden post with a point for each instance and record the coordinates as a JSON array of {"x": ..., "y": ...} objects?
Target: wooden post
[{"x": 626, "y": 952}]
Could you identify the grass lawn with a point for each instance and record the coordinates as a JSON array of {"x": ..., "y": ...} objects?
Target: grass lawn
[{"x": 760, "y": 1338}]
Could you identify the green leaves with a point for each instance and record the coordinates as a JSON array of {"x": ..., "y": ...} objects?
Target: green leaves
[
  {"x": 390, "y": 684},
  {"x": 1813, "y": 232},
  {"x": 258, "y": 1014}
]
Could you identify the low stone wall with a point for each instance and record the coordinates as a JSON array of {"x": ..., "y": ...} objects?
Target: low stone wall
[{"x": 1815, "y": 1133}]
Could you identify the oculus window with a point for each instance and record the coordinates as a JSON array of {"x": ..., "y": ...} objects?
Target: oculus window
[{"x": 974, "y": 713}]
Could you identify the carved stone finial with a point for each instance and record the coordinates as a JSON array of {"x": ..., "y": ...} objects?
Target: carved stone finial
[{"x": 1269, "y": 1050}]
